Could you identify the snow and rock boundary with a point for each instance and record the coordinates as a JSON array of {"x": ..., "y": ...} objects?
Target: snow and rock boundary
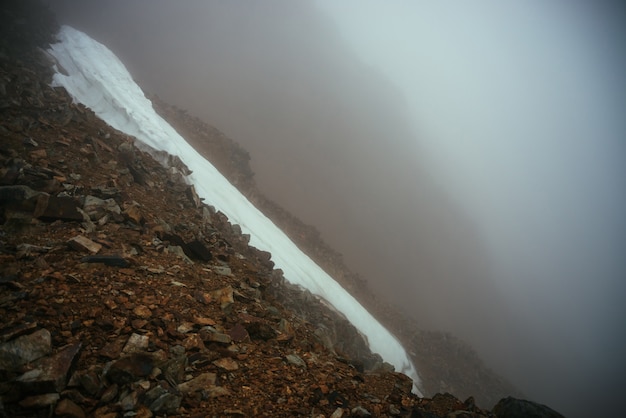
[{"x": 96, "y": 78}]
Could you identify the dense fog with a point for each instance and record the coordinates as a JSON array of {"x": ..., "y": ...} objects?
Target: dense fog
[{"x": 468, "y": 159}]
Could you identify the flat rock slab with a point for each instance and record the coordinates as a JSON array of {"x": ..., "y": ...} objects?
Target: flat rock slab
[
  {"x": 61, "y": 208},
  {"x": 24, "y": 349},
  {"x": 84, "y": 244},
  {"x": 50, "y": 374},
  {"x": 198, "y": 383}
]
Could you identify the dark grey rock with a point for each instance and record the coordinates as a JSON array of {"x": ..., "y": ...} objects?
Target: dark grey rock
[
  {"x": 61, "y": 208},
  {"x": 109, "y": 394},
  {"x": 84, "y": 244},
  {"x": 131, "y": 368},
  {"x": 260, "y": 330},
  {"x": 161, "y": 401},
  {"x": 174, "y": 368},
  {"x": 50, "y": 374},
  {"x": 90, "y": 382},
  {"x": 129, "y": 402},
  {"x": 24, "y": 349}
]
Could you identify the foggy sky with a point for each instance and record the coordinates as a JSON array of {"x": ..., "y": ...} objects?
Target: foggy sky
[{"x": 468, "y": 160}]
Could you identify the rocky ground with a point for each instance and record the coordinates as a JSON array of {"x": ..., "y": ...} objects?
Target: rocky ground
[{"x": 123, "y": 294}]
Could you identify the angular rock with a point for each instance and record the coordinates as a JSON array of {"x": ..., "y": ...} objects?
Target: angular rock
[
  {"x": 40, "y": 401},
  {"x": 84, "y": 244},
  {"x": 286, "y": 331},
  {"x": 191, "y": 194},
  {"x": 38, "y": 154},
  {"x": 338, "y": 413},
  {"x": 222, "y": 296},
  {"x": 28, "y": 250},
  {"x": 161, "y": 401},
  {"x": 68, "y": 409},
  {"x": 136, "y": 343},
  {"x": 198, "y": 383},
  {"x": 171, "y": 237},
  {"x": 61, "y": 208},
  {"x": 178, "y": 250},
  {"x": 202, "y": 297},
  {"x": 90, "y": 381},
  {"x": 25, "y": 349},
  {"x": 142, "y": 311},
  {"x": 359, "y": 411},
  {"x": 131, "y": 368},
  {"x": 203, "y": 321},
  {"x": 215, "y": 391},
  {"x": 265, "y": 258},
  {"x": 138, "y": 323},
  {"x": 227, "y": 364},
  {"x": 50, "y": 374},
  {"x": 130, "y": 401},
  {"x": 215, "y": 336},
  {"x": 109, "y": 393},
  {"x": 295, "y": 360},
  {"x": 106, "y": 192},
  {"x": 174, "y": 368},
  {"x": 261, "y": 331},
  {"x": 238, "y": 333},
  {"x": 112, "y": 349},
  {"x": 185, "y": 327},
  {"x": 97, "y": 208},
  {"x": 107, "y": 260}
]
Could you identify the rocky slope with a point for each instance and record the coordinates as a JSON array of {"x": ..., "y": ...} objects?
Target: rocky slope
[{"x": 122, "y": 294}]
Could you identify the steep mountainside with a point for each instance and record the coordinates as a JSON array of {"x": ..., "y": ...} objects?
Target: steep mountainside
[
  {"x": 122, "y": 294},
  {"x": 446, "y": 363}
]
